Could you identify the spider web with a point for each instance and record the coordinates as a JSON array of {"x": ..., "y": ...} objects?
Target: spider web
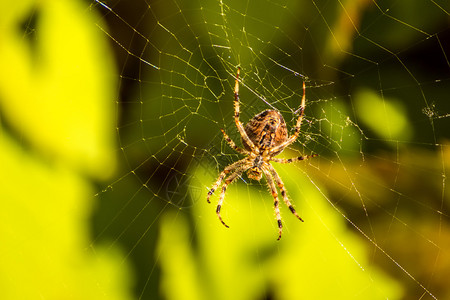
[{"x": 377, "y": 114}]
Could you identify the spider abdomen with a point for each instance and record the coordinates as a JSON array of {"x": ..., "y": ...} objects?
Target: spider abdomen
[{"x": 266, "y": 130}]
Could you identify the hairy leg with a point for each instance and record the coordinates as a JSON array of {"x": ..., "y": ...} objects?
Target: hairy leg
[
  {"x": 276, "y": 203},
  {"x": 227, "y": 182},
  {"x": 239, "y": 125},
  {"x": 294, "y": 159},
  {"x": 233, "y": 144},
  {"x": 222, "y": 175},
  {"x": 283, "y": 191},
  {"x": 293, "y": 137}
]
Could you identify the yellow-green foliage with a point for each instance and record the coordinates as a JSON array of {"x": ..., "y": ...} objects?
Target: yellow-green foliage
[
  {"x": 317, "y": 259},
  {"x": 386, "y": 117},
  {"x": 57, "y": 102}
]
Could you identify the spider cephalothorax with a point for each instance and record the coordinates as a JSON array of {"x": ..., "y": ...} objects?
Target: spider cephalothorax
[{"x": 263, "y": 137}]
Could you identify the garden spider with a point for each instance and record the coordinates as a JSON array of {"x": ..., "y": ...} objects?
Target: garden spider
[{"x": 263, "y": 137}]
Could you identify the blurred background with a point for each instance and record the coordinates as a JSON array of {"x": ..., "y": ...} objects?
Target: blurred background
[{"x": 110, "y": 118}]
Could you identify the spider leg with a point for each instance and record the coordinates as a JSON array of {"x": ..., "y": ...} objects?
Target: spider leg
[
  {"x": 293, "y": 137},
  {"x": 233, "y": 144},
  {"x": 222, "y": 175},
  {"x": 276, "y": 203},
  {"x": 227, "y": 182},
  {"x": 283, "y": 191},
  {"x": 294, "y": 159},
  {"x": 239, "y": 125}
]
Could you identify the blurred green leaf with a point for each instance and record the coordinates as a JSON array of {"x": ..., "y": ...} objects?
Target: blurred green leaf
[
  {"x": 56, "y": 93},
  {"x": 58, "y": 90},
  {"x": 385, "y": 116},
  {"x": 317, "y": 259},
  {"x": 44, "y": 232}
]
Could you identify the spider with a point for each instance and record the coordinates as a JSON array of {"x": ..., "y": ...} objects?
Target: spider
[{"x": 263, "y": 138}]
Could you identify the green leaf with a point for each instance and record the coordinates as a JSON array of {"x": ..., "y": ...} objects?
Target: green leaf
[
  {"x": 59, "y": 90},
  {"x": 317, "y": 259},
  {"x": 57, "y": 100},
  {"x": 386, "y": 117}
]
